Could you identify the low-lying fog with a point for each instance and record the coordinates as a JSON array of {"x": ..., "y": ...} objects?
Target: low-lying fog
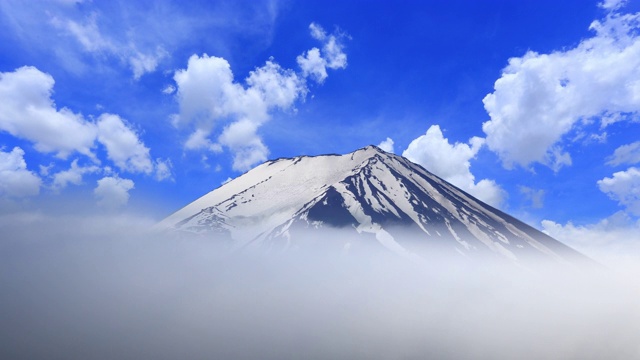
[{"x": 106, "y": 287}]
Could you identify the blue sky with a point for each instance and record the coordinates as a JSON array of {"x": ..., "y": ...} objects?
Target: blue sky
[{"x": 126, "y": 106}]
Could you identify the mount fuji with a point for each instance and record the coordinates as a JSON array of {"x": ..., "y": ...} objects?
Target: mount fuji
[{"x": 367, "y": 198}]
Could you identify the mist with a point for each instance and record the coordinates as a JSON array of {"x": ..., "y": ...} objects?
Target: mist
[{"x": 108, "y": 287}]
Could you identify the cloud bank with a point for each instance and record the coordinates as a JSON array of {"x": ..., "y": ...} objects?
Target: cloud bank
[{"x": 106, "y": 287}]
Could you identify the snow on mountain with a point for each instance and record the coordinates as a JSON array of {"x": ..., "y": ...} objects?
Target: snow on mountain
[{"x": 376, "y": 197}]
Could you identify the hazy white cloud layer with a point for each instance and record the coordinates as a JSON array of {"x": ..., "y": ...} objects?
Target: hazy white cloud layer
[
  {"x": 452, "y": 163},
  {"x": 15, "y": 179},
  {"x": 210, "y": 98},
  {"x": 109, "y": 288},
  {"x": 541, "y": 98}
]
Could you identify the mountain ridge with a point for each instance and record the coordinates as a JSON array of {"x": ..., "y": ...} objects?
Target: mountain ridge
[{"x": 398, "y": 203}]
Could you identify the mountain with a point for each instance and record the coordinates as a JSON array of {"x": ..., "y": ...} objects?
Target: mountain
[{"x": 376, "y": 199}]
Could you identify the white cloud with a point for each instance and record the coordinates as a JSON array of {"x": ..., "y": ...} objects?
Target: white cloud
[
  {"x": 612, "y": 5},
  {"x": 27, "y": 112},
  {"x": 452, "y": 163},
  {"x": 15, "y": 179},
  {"x": 124, "y": 147},
  {"x": 624, "y": 187},
  {"x": 317, "y": 32},
  {"x": 246, "y": 145},
  {"x": 332, "y": 50},
  {"x": 387, "y": 145},
  {"x": 88, "y": 34},
  {"x": 208, "y": 95},
  {"x": 72, "y": 176},
  {"x": 625, "y": 154},
  {"x": 540, "y": 98},
  {"x": 163, "y": 169},
  {"x": 113, "y": 192},
  {"x": 199, "y": 139},
  {"x": 144, "y": 63},
  {"x": 314, "y": 62},
  {"x": 44, "y": 170},
  {"x": 611, "y": 240},
  {"x": 205, "y": 90},
  {"x": 169, "y": 89},
  {"x": 211, "y": 99},
  {"x": 277, "y": 87},
  {"x": 536, "y": 196}
]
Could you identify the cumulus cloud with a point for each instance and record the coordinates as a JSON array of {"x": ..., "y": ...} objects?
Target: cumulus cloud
[
  {"x": 113, "y": 192},
  {"x": 313, "y": 65},
  {"x": 15, "y": 179},
  {"x": 314, "y": 62},
  {"x": 624, "y": 187},
  {"x": 225, "y": 113},
  {"x": 541, "y": 98},
  {"x": 72, "y": 176},
  {"x": 28, "y": 112},
  {"x": 452, "y": 163},
  {"x": 208, "y": 95},
  {"x": 244, "y": 142},
  {"x": 625, "y": 154},
  {"x": 123, "y": 146},
  {"x": 387, "y": 145}
]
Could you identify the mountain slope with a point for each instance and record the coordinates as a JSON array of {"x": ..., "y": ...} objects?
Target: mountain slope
[{"x": 375, "y": 196}]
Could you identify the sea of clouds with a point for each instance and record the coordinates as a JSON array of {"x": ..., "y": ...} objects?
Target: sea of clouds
[{"x": 110, "y": 287}]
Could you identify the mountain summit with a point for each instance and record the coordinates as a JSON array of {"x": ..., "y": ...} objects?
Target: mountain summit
[{"x": 377, "y": 198}]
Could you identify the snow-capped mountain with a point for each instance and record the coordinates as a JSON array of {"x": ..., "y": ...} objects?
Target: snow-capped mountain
[{"x": 377, "y": 198}]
